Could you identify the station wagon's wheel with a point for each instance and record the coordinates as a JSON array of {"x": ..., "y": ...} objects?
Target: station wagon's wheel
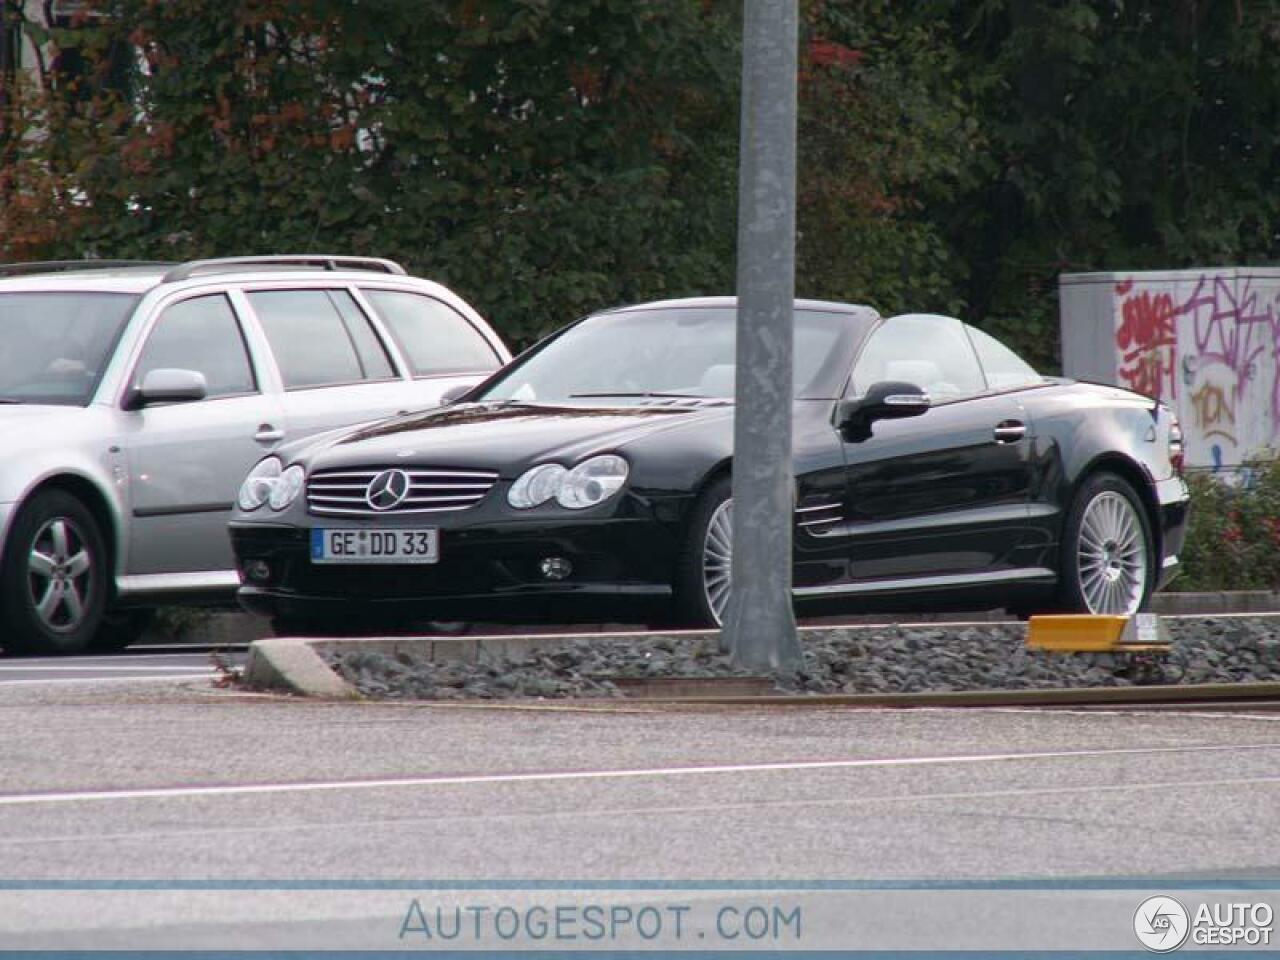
[
  {"x": 1108, "y": 564},
  {"x": 53, "y": 583},
  {"x": 704, "y": 576}
]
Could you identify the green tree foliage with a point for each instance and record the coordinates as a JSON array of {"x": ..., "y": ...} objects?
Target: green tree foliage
[
  {"x": 1120, "y": 134},
  {"x": 548, "y": 158},
  {"x": 543, "y": 158}
]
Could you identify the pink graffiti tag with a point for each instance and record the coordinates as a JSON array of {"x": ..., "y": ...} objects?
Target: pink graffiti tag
[
  {"x": 1147, "y": 338},
  {"x": 1229, "y": 330}
]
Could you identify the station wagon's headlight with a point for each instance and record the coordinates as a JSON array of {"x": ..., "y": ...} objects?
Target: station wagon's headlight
[
  {"x": 536, "y": 485},
  {"x": 592, "y": 481},
  {"x": 286, "y": 489},
  {"x": 257, "y": 486}
]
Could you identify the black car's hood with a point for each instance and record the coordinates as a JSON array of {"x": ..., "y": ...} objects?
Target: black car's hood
[{"x": 506, "y": 438}]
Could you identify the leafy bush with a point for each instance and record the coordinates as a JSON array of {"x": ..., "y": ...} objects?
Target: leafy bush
[{"x": 1233, "y": 540}]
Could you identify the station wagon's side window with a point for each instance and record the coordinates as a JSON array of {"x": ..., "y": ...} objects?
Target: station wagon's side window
[
  {"x": 433, "y": 337},
  {"x": 1005, "y": 370},
  {"x": 924, "y": 349},
  {"x": 201, "y": 334},
  {"x": 320, "y": 338}
]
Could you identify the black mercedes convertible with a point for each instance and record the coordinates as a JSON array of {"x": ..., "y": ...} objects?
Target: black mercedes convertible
[{"x": 589, "y": 479}]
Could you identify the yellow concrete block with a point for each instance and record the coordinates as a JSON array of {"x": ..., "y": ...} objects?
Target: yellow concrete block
[{"x": 1081, "y": 633}]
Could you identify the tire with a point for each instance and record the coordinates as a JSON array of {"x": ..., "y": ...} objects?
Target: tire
[
  {"x": 53, "y": 584},
  {"x": 120, "y": 628},
  {"x": 703, "y": 573},
  {"x": 1108, "y": 561}
]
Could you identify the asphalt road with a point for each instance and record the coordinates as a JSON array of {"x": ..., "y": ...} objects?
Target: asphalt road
[{"x": 152, "y": 780}]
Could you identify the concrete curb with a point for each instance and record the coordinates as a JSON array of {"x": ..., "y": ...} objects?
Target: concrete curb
[
  {"x": 292, "y": 664},
  {"x": 1207, "y": 604},
  {"x": 300, "y": 664}
]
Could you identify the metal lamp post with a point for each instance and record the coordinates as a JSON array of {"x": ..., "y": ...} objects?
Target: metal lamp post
[{"x": 759, "y": 624}]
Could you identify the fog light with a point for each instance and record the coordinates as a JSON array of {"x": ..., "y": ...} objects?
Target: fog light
[
  {"x": 259, "y": 571},
  {"x": 555, "y": 568}
]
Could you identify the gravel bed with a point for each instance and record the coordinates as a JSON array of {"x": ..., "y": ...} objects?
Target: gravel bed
[{"x": 895, "y": 659}]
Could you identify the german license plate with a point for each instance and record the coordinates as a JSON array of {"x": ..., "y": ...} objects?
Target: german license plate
[{"x": 330, "y": 545}]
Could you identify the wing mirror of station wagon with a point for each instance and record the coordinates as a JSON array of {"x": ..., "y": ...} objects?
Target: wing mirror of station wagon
[
  {"x": 886, "y": 400},
  {"x": 169, "y": 385}
]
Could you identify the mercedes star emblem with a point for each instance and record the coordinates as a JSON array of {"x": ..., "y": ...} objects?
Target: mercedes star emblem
[{"x": 388, "y": 489}]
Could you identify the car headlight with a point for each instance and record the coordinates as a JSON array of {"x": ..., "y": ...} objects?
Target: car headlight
[
  {"x": 589, "y": 483},
  {"x": 257, "y": 486},
  {"x": 536, "y": 485},
  {"x": 286, "y": 489},
  {"x": 592, "y": 481}
]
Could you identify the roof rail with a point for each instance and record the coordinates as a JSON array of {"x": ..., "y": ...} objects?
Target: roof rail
[
  {"x": 58, "y": 266},
  {"x": 188, "y": 270}
]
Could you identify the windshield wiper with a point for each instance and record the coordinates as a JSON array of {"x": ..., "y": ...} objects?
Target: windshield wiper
[{"x": 651, "y": 393}]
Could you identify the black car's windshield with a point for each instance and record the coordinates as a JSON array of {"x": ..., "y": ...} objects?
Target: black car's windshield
[
  {"x": 53, "y": 346},
  {"x": 678, "y": 352}
]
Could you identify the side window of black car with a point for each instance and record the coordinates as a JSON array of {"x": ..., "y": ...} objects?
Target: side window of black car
[
  {"x": 929, "y": 351},
  {"x": 200, "y": 334},
  {"x": 1004, "y": 369}
]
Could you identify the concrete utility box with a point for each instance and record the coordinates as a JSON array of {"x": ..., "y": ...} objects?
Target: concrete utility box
[{"x": 1206, "y": 342}]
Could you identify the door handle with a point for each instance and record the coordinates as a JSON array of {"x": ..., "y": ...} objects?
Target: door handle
[
  {"x": 268, "y": 434},
  {"x": 1010, "y": 431}
]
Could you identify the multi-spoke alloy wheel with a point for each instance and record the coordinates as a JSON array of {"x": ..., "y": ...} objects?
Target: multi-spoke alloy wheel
[
  {"x": 1109, "y": 561},
  {"x": 705, "y": 566},
  {"x": 717, "y": 560},
  {"x": 53, "y": 583},
  {"x": 60, "y": 575}
]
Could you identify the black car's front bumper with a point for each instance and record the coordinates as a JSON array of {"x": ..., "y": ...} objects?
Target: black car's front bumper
[{"x": 488, "y": 573}]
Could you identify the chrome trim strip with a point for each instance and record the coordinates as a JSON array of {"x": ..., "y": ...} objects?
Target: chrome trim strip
[
  {"x": 372, "y": 472},
  {"x": 982, "y": 516},
  {"x": 906, "y": 400},
  {"x": 219, "y": 580},
  {"x": 946, "y": 580},
  {"x": 825, "y": 506},
  {"x": 820, "y": 522},
  {"x": 343, "y": 512}
]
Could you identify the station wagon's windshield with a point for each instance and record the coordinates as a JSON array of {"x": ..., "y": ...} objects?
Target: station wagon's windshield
[
  {"x": 676, "y": 352},
  {"x": 54, "y": 346}
]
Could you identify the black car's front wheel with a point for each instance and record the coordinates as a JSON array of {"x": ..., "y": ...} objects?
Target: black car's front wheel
[
  {"x": 1108, "y": 564},
  {"x": 54, "y": 580},
  {"x": 704, "y": 578}
]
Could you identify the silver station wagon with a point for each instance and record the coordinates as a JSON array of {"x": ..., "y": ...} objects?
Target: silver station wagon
[{"x": 136, "y": 396}]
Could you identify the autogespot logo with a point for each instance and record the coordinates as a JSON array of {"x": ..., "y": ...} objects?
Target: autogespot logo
[
  {"x": 1161, "y": 923},
  {"x": 387, "y": 489}
]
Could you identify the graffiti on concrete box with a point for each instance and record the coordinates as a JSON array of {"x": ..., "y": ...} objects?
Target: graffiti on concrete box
[{"x": 1208, "y": 344}]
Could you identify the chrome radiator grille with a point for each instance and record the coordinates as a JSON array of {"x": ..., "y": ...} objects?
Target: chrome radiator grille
[{"x": 347, "y": 492}]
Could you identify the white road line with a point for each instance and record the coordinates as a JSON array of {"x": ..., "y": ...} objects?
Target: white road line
[
  {"x": 315, "y": 786},
  {"x": 61, "y": 680},
  {"x": 112, "y": 659},
  {"x": 89, "y": 668},
  {"x": 717, "y": 810}
]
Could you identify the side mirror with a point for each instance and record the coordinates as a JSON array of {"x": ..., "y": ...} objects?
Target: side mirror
[
  {"x": 168, "y": 385},
  {"x": 454, "y": 394},
  {"x": 886, "y": 400}
]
